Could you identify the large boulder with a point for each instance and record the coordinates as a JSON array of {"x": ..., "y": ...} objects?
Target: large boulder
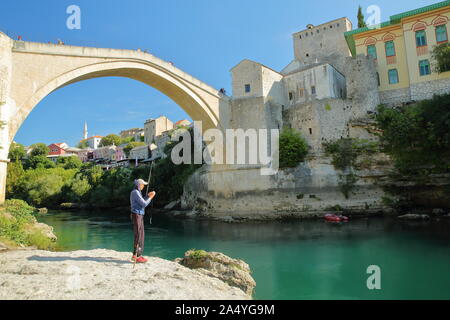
[
  {"x": 46, "y": 230},
  {"x": 235, "y": 272}
]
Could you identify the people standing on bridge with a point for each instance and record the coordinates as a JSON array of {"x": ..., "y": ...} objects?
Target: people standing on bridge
[{"x": 138, "y": 205}]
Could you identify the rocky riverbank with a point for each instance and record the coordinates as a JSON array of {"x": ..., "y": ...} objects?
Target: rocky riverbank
[{"x": 108, "y": 274}]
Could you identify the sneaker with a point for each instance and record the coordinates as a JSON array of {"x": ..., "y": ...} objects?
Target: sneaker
[
  {"x": 133, "y": 258},
  {"x": 141, "y": 259}
]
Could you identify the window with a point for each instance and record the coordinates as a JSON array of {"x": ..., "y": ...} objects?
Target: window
[
  {"x": 390, "y": 49},
  {"x": 313, "y": 90},
  {"x": 291, "y": 96},
  {"x": 393, "y": 76},
  {"x": 424, "y": 67},
  {"x": 378, "y": 79},
  {"x": 310, "y": 130},
  {"x": 301, "y": 92},
  {"x": 247, "y": 88},
  {"x": 372, "y": 51},
  {"x": 421, "y": 39},
  {"x": 441, "y": 34}
]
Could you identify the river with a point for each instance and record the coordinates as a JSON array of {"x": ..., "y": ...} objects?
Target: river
[{"x": 289, "y": 260}]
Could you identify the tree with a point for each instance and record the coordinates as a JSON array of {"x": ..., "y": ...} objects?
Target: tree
[
  {"x": 127, "y": 140},
  {"x": 40, "y": 161},
  {"x": 132, "y": 145},
  {"x": 14, "y": 175},
  {"x": 361, "y": 21},
  {"x": 293, "y": 148},
  {"x": 418, "y": 136},
  {"x": 16, "y": 151},
  {"x": 83, "y": 144},
  {"x": 72, "y": 162},
  {"x": 109, "y": 140},
  {"x": 39, "y": 149},
  {"x": 441, "y": 57}
]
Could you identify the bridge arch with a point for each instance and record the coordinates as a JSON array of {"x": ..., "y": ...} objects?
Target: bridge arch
[
  {"x": 29, "y": 71},
  {"x": 176, "y": 89}
]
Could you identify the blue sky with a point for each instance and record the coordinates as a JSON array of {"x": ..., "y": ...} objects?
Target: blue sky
[{"x": 205, "y": 38}]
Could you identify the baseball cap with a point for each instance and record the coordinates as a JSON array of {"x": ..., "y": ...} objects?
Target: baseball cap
[{"x": 140, "y": 181}]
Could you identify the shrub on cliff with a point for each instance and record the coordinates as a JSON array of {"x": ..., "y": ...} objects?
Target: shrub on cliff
[
  {"x": 293, "y": 148},
  {"x": 18, "y": 226},
  {"x": 418, "y": 136}
]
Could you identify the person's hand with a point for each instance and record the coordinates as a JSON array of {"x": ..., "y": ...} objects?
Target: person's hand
[{"x": 152, "y": 194}]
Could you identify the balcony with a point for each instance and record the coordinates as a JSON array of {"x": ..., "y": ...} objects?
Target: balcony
[
  {"x": 391, "y": 60},
  {"x": 422, "y": 50}
]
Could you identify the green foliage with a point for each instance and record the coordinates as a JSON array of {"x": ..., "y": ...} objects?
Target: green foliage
[
  {"x": 344, "y": 153},
  {"x": 39, "y": 149},
  {"x": 109, "y": 140},
  {"x": 197, "y": 254},
  {"x": 361, "y": 21},
  {"x": 418, "y": 136},
  {"x": 72, "y": 162},
  {"x": 71, "y": 181},
  {"x": 43, "y": 187},
  {"x": 127, "y": 140},
  {"x": 17, "y": 225},
  {"x": 293, "y": 148},
  {"x": 132, "y": 145},
  {"x": 83, "y": 144},
  {"x": 40, "y": 161},
  {"x": 14, "y": 175},
  {"x": 16, "y": 151},
  {"x": 441, "y": 57},
  {"x": 169, "y": 177},
  {"x": 79, "y": 189}
]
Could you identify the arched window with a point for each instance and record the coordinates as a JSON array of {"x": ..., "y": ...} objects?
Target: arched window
[
  {"x": 441, "y": 34},
  {"x": 393, "y": 76},
  {"x": 372, "y": 51},
  {"x": 421, "y": 38},
  {"x": 390, "y": 48}
]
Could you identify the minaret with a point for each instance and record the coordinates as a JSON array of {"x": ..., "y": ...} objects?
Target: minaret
[{"x": 85, "y": 131}]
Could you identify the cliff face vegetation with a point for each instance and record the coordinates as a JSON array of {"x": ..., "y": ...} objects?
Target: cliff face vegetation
[
  {"x": 417, "y": 137},
  {"x": 19, "y": 227}
]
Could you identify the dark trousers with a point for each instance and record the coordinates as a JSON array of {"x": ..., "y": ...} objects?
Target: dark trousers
[{"x": 138, "y": 228}]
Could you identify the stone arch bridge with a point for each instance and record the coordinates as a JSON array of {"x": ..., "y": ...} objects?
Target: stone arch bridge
[{"x": 30, "y": 71}]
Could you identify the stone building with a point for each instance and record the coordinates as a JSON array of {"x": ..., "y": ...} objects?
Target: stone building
[
  {"x": 136, "y": 133},
  {"x": 155, "y": 127},
  {"x": 324, "y": 43},
  {"x": 318, "y": 93},
  {"x": 140, "y": 153}
]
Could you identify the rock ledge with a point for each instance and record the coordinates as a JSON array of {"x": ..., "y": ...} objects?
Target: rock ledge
[{"x": 104, "y": 274}]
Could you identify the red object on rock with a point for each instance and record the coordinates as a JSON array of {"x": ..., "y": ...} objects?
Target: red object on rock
[{"x": 335, "y": 218}]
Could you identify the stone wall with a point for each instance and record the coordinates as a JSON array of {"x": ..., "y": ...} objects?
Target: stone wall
[
  {"x": 426, "y": 90},
  {"x": 324, "y": 43},
  {"x": 362, "y": 85},
  {"x": 5, "y": 105},
  {"x": 308, "y": 190},
  {"x": 395, "y": 97}
]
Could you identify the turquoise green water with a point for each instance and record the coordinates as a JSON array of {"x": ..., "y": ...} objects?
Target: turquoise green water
[{"x": 290, "y": 260}]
